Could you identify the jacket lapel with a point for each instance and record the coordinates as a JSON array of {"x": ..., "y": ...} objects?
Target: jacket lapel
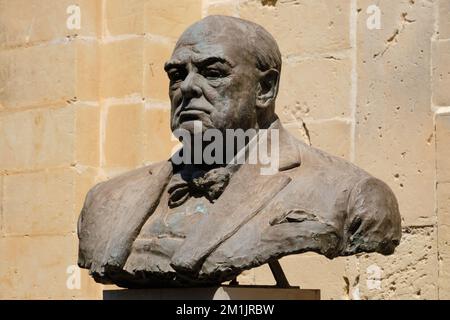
[
  {"x": 127, "y": 211},
  {"x": 246, "y": 196},
  {"x": 289, "y": 153}
]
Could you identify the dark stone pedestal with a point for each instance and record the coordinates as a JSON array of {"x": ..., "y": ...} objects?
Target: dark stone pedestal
[{"x": 214, "y": 293}]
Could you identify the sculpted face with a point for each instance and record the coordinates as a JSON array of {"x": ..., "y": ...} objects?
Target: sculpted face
[{"x": 212, "y": 79}]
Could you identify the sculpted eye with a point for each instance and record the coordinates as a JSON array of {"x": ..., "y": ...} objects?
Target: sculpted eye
[
  {"x": 176, "y": 75},
  {"x": 213, "y": 74}
]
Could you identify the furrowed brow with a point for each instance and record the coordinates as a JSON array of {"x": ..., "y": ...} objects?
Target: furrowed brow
[
  {"x": 172, "y": 64},
  {"x": 211, "y": 60},
  {"x": 175, "y": 64}
]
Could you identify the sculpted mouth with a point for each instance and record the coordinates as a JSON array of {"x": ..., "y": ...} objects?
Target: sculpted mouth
[{"x": 191, "y": 115}]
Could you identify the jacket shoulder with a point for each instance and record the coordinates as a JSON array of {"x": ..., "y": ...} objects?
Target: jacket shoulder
[
  {"x": 121, "y": 181},
  {"x": 374, "y": 221},
  {"x": 327, "y": 161},
  {"x": 107, "y": 203}
]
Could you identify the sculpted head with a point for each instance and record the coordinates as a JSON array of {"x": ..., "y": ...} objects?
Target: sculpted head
[{"x": 224, "y": 72}]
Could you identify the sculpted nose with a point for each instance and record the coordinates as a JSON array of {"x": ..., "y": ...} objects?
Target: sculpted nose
[{"x": 189, "y": 88}]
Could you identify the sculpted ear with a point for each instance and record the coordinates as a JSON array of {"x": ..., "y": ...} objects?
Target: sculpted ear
[{"x": 267, "y": 88}]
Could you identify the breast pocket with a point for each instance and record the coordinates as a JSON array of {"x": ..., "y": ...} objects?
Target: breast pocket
[{"x": 294, "y": 216}]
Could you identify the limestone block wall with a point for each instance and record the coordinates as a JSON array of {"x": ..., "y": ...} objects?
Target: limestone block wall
[{"x": 80, "y": 105}]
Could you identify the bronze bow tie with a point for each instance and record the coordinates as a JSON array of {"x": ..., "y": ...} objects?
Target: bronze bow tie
[{"x": 197, "y": 183}]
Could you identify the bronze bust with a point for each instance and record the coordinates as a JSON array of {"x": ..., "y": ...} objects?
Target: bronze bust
[{"x": 197, "y": 224}]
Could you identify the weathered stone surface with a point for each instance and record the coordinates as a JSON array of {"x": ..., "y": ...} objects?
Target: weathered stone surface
[
  {"x": 298, "y": 130},
  {"x": 142, "y": 130},
  {"x": 111, "y": 172},
  {"x": 442, "y": 147},
  {"x": 443, "y": 211},
  {"x": 228, "y": 8},
  {"x": 410, "y": 273},
  {"x": 444, "y": 19},
  {"x": 156, "y": 82},
  {"x": 303, "y": 27},
  {"x": 394, "y": 124},
  {"x": 1, "y": 207},
  {"x": 42, "y": 199},
  {"x": 441, "y": 73},
  {"x": 304, "y": 93},
  {"x": 51, "y": 137},
  {"x": 122, "y": 60},
  {"x": 49, "y": 74},
  {"x": 36, "y": 138},
  {"x": 44, "y": 202},
  {"x": 26, "y": 22},
  {"x": 157, "y": 141},
  {"x": 170, "y": 18},
  {"x": 124, "y": 17},
  {"x": 309, "y": 271},
  {"x": 247, "y": 277},
  {"x": 37, "y": 269},
  {"x": 163, "y": 18},
  {"x": 123, "y": 135},
  {"x": 333, "y": 136},
  {"x": 36, "y": 75},
  {"x": 87, "y": 134},
  {"x": 87, "y": 68},
  {"x": 84, "y": 178}
]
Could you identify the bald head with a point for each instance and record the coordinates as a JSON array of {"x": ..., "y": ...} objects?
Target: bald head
[
  {"x": 224, "y": 72},
  {"x": 250, "y": 37}
]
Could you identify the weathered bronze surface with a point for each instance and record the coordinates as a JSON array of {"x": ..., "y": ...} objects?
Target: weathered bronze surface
[{"x": 197, "y": 225}]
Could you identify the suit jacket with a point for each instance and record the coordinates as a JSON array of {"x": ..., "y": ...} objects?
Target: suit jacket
[{"x": 316, "y": 202}]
